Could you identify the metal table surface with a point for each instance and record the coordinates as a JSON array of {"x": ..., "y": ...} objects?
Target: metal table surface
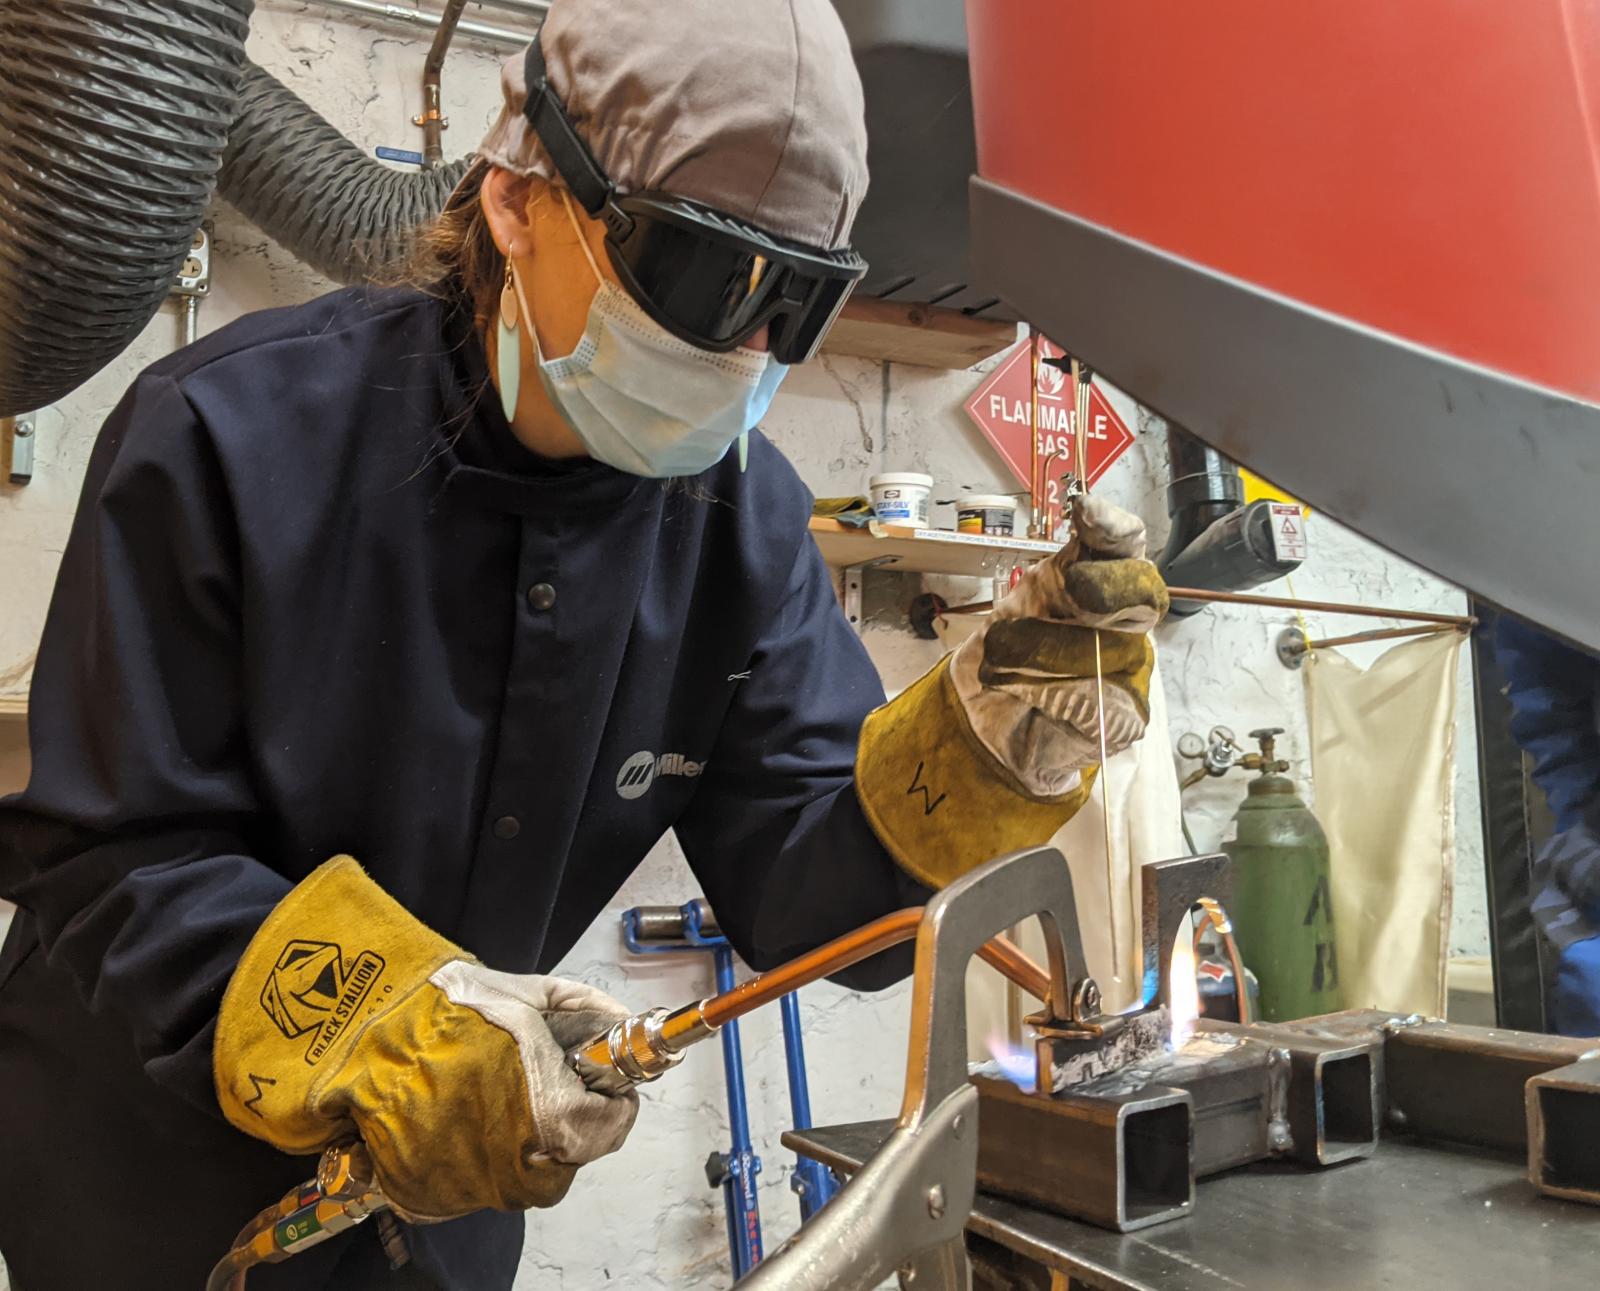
[{"x": 1413, "y": 1216}]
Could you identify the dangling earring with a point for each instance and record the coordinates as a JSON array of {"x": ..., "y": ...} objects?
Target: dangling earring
[{"x": 508, "y": 346}]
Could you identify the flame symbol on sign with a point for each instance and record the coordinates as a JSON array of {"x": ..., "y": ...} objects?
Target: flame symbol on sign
[{"x": 1052, "y": 380}]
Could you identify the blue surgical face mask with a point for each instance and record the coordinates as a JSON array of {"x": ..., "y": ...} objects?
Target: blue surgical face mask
[{"x": 644, "y": 401}]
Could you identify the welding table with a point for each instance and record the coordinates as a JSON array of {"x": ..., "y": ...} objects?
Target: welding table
[{"x": 1414, "y": 1215}]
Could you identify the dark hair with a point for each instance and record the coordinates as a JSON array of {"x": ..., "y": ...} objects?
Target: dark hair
[{"x": 456, "y": 255}]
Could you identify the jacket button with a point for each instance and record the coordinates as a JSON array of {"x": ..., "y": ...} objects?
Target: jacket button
[
  {"x": 541, "y": 596},
  {"x": 507, "y": 828}
]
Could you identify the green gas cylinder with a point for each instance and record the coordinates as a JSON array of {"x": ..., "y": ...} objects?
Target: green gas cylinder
[{"x": 1281, "y": 909}]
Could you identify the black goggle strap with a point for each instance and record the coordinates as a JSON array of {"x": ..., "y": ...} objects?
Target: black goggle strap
[{"x": 579, "y": 170}]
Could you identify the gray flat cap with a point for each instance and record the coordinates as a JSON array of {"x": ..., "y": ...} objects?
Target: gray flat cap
[{"x": 752, "y": 107}]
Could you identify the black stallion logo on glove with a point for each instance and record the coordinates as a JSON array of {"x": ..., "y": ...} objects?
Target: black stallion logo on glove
[{"x": 313, "y": 989}]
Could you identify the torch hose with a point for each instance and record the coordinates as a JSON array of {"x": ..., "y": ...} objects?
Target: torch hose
[
  {"x": 344, "y": 1193},
  {"x": 1212, "y": 913}
]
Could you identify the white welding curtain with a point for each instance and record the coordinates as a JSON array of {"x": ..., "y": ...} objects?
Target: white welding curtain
[{"x": 1383, "y": 758}]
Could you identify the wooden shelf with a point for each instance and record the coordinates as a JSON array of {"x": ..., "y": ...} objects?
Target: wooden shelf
[
  {"x": 13, "y": 707},
  {"x": 926, "y": 335},
  {"x": 924, "y": 551}
]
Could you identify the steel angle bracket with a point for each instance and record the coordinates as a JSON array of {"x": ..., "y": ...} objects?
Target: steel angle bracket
[{"x": 904, "y": 1210}]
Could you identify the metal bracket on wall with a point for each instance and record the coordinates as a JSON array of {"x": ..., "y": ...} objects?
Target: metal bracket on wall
[
  {"x": 850, "y": 586},
  {"x": 1291, "y": 646},
  {"x": 18, "y": 435},
  {"x": 193, "y": 283}
]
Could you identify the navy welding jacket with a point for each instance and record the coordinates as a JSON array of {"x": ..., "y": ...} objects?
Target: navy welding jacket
[{"x": 318, "y": 599}]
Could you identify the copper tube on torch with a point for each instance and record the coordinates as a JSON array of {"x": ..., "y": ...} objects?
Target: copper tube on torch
[
  {"x": 650, "y": 1043},
  {"x": 852, "y": 948}
]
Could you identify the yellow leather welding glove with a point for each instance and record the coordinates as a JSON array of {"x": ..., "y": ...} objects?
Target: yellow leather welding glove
[
  {"x": 347, "y": 1015},
  {"x": 998, "y": 746}
]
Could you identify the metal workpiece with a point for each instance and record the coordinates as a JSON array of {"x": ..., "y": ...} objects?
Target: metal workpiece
[
  {"x": 1063, "y": 1062},
  {"x": 1563, "y": 1108},
  {"x": 1332, "y": 1090},
  {"x": 1121, "y": 1159},
  {"x": 1239, "y": 1091},
  {"x": 1453, "y": 1083},
  {"x": 1467, "y": 1084},
  {"x": 1169, "y": 890},
  {"x": 1464, "y": 1084},
  {"x": 1114, "y": 1151}
]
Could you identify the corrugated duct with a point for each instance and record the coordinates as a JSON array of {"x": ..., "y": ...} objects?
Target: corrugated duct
[
  {"x": 116, "y": 120},
  {"x": 113, "y": 118},
  {"x": 323, "y": 198}
]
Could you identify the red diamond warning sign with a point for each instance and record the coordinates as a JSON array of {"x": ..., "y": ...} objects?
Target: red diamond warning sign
[{"x": 1000, "y": 408}]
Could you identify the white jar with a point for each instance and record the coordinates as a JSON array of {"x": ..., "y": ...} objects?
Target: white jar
[
  {"x": 901, "y": 498},
  {"x": 990, "y": 513}
]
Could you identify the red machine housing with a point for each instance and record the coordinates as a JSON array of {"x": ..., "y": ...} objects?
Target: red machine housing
[{"x": 1355, "y": 245}]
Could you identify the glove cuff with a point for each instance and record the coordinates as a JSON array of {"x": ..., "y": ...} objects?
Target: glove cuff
[
  {"x": 337, "y": 952},
  {"x": 934, "y": 794}
]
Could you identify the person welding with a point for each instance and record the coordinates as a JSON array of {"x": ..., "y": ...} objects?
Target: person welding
[{"x": 395, "y": 628}]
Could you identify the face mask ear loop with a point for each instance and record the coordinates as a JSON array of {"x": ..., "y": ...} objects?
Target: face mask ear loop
[
  {"x": 566, "y": 201},
  {"x": 527, "y": 314}
]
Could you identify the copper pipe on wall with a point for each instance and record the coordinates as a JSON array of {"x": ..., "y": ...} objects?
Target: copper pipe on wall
[
  {"x": 1387, "y": 634},
  {"x": 433, "y": 121},
  {"x": 1281, "y": 602},
  {"x": 1323, "y": 607}
]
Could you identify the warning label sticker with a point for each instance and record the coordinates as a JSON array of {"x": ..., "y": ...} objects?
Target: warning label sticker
[{"x": 1288, "y": 532}]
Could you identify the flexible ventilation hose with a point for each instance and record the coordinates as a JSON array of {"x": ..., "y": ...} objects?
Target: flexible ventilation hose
[
  {"x": 325, "y": 200},
  {"x": 113, "y": 117}
]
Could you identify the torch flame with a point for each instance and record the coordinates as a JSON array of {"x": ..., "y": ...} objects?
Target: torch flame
[
  {"x": 1016, "y": 1063},
  {"x": 1184, "y": 987}
]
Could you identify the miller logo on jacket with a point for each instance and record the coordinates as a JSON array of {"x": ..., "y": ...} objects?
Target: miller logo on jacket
[{"x": 639, "y": 772}]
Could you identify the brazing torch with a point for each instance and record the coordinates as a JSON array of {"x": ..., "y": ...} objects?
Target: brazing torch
[
  {"x": 642, "y": 1047},
  {"x": 637, "y": 1049}
]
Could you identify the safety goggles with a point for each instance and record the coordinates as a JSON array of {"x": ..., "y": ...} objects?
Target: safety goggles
[{"x": 709, "y": 279}]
